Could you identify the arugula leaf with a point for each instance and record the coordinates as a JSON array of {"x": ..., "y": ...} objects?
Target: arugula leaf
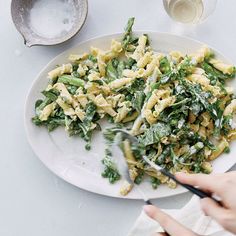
[
  {"x": 217, "y": 115},
  {"x": 227, "y": 124},
  {"x": 166, "y": 78},
  {"x": 200, "y": 96},
  {"x": 209, "y": 144},
  {"x": 37, "y": 121},
  {"x": 196, "y": 108},
  {"x": 138, "y": 100},
  {"x": 85, "y": 128},
  {"x": 75, "y": 67},
  {"x": 51, "y": 124},
  {"x": 165, "y": 66},
  {"x": 111, "y": 72},
  {"x": 176, "y": 113},
  {"x": 120, "y": 68},
  {"x": 155, "y": 133},
  {"x": 72, "y": 89},
  {"x": 130, "y": 63},
  {"x": 192, "y": 150},
  {"x": 38, "y": 103},
  {"x": 51, "y": 94},
  {"x": 41, "y": 105},
  {"x": 165, "y": 153},
  {"x": 137, "y": 85},
  {"x": 115, "y": 62},
  {"x": 92, "y": 58},
  {"x": 180, "y": 102},
  {"x": 173, "y": 156},
  {"x": 186, "y": 67},
  {"x": 90, "y": 112},
  {"x": 59, "y": 113}
]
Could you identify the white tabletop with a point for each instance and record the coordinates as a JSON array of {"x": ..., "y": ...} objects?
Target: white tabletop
[{"x": 33, "y": 201}]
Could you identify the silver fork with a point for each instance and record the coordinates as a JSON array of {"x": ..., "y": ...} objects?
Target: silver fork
[
  {"x": 123, "y": 168},
  {"x": 165, "y": 172}
]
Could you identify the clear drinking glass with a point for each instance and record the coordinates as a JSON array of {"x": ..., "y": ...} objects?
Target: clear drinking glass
[{"x": 189, "y": 11}]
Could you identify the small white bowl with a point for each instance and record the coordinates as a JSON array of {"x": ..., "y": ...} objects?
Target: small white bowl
[{"x": 43, "y": 22}]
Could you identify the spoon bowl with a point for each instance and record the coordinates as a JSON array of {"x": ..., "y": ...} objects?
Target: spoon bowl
[{"x": 43, "y": 22}]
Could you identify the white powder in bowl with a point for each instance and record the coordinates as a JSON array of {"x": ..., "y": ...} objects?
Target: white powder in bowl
[{"x": 52, "y": 18}]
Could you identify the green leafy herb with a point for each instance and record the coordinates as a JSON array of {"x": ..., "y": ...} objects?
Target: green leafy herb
[
  {"x": 227, "y": 124},
  {"x": 72, "y": 89},
  {"x": 86, "y": 126},
  {"x": 120, "y": 68},
  {"x": 130, "y": 63},
  {"x": 138, "y": 100},
  {"x": 110, "y": 170},
  {"x": 111, "y": 71},
  {"x": 51, "y": 94},
  {"x": 38, "y": 103},
  {"x": 41, "y": 105},
  {"x": 155, "y": 133},
  {"x": 92, "y": 58},
  {"x": 165, "y": 65}
]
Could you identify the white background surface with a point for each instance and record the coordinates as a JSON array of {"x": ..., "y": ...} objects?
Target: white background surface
[{"x": 32, "y": 200}]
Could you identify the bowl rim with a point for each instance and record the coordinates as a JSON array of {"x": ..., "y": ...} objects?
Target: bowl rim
[{"x": 54, "y": 41}]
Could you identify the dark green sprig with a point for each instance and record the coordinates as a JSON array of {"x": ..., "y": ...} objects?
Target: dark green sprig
[{"x": 128, "y": 33}]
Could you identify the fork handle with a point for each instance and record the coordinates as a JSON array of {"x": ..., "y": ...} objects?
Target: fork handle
[
  {"x": 148, "y": 202},
  {"x": 192, "y": 189}
]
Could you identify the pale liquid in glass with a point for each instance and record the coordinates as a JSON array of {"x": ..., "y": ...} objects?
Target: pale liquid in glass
[{"x": 185, "y": 11}]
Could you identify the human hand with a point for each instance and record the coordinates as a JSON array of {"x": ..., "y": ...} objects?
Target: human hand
[
  {"x": 170, "y": 225},
  {"x": 223, "y": 185}
]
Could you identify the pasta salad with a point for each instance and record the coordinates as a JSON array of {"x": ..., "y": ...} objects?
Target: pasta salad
[{"x": 177, "y": 105}]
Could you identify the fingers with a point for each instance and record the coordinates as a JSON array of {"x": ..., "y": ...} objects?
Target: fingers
[
  {"x": 211, "y": 208},
  {"x": 223, "y": 216},
  {"x": 170, "y": 225},
  {"x": 159, "y": 234},
  {"x": 203, "y": 181}
]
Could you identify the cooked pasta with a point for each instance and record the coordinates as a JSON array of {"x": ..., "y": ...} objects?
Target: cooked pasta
[{"x": 178, "y": 106}]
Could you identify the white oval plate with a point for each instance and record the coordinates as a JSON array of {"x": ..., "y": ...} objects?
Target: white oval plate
[{"x": 67, "y": 157}]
